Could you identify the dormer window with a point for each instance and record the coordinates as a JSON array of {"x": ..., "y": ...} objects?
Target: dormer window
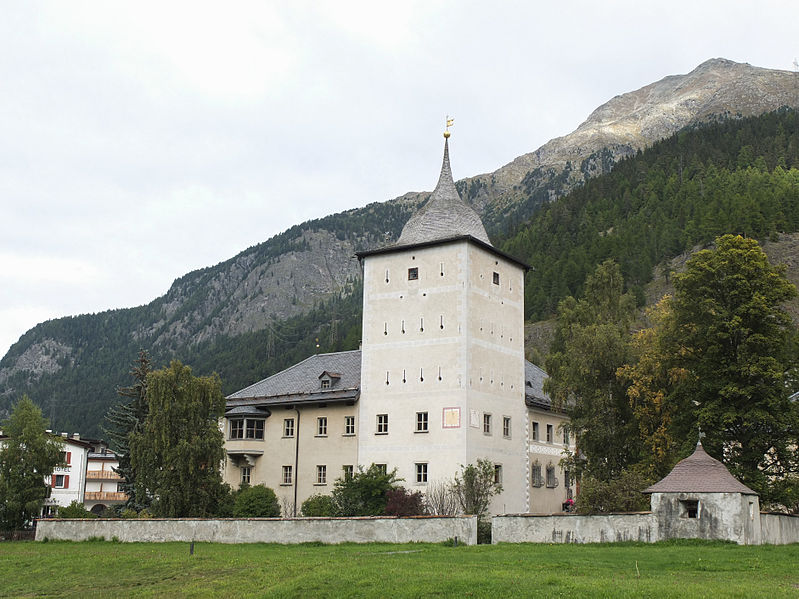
[
  {"x": 327, "y": 379},
  {"x": 325, "y": 383}
]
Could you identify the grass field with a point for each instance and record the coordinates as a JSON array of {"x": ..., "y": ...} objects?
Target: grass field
[{"x": 673, "y": 569}]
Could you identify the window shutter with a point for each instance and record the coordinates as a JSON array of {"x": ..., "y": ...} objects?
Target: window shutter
[
  {"x": 69, "y": 458},
  {"x": 66, "y": 481}
]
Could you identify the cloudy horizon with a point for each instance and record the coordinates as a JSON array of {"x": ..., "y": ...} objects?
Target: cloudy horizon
[{"x": 143, "y": 141}]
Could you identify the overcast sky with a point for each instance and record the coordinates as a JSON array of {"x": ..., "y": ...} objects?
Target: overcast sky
[{"x": 142, "y": 140}]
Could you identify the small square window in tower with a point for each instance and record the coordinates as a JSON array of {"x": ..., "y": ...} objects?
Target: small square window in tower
[
  {"x": 496, "y": 278},
  {"x": 486, "y": 424},
  {"x": 413, "y": 273}
]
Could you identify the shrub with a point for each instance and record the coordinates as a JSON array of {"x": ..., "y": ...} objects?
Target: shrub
[
  {"x": 622, "y": 494},
  {"x": 401, "y": 502},
  {"x": 318, "y": 505},
  {"x": 364, "y": 493},
  {"x": 75, "y": 510},
  {"x": 256, "y": 502}
]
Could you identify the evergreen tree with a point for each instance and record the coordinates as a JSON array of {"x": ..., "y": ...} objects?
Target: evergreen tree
[
  {"x": 27, "y": 455},
  {"x": 177, "y": 453},
  {"x": 124, "y": 419}
]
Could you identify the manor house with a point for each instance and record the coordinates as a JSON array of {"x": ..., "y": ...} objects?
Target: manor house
[{"x": 440, "y": 380}]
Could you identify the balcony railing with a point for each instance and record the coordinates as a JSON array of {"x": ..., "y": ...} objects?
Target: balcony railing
[
  {"x": 102, "y": 475},
  {"x": 105, "y": 496}
]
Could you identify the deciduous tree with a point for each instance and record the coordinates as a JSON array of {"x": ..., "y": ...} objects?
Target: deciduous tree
[
  {"x": 27, "y": 455},
  {"x": 739, "y": 346},
  {"x": 592, "y": 341},
  {"x": 177, "y": 452}
]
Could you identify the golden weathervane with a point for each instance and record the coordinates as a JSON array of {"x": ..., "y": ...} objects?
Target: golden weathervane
[{"x": 450, "y": 122}]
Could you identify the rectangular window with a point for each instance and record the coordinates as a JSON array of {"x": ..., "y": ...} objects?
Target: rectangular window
[
  {"x": 538, "y": 480},
  {"x": 421, "y": 422},
  {"x": 382, "y": 424},
  {"x": 552, "y": 482},
  {"x": 325, "y": 383},
  {"x": 565, "y": 435},
  {"x": 413, "y": 274},
  {"x": 421, "y": 473},
  {"x": 245, "y": 475},
  {"x": 497, "y": 474},
  {"x": 550, "y": 433},
  {"x": 66, "y": 458},
  {"x": 690, "y": 508},
  {"x": 288, "y": 427},
  {"x": 349, "y": 425},
  {"x": 535, "y": 431},
  {"x": 288, "y": 475},
  {"x": 236, "y": 429},
  {"x": 486, "y": 424},
  {"x": 321, "y": 475},
  {"x": 321, "y": 426},
  {"x": 60, "y": 481},
  {"x": 349, "y": 470},
  {"x": 506, "y": 427},
  {"x": 255, "y": 429},
  {"x": 496, "y": 278},
  {"x": 382, "y": 468}
]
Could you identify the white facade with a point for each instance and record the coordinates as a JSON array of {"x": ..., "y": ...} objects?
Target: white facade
[
  {"x": 443, "y": 344},
  {"x": 68, "y": 482}
]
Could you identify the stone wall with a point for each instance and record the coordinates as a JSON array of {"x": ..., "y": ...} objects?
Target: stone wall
[
  {"x": 779, "y": 529},
  {"x": 425, "y": 529},
  {"x": 571, "y": 528}
]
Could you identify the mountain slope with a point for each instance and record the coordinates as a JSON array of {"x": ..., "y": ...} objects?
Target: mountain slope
[{"x": 264, "y": 308}]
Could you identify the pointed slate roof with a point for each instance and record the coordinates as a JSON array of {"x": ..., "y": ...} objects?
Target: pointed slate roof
[
  {"x": 444, "y": 216},
  {"x": 700, "y": 473}
]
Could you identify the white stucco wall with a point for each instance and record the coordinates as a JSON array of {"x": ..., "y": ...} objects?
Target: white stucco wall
[
  {"x": 779, "y": 529},
  {"x": 530, "y": 528},
  {"x": 267, "y": 530},
  {"x": 449, "y": 342},
  {"x": 722, "y": 516}
]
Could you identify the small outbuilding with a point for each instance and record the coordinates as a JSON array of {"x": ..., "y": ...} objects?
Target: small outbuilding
[{"x": 700, "y": 499}]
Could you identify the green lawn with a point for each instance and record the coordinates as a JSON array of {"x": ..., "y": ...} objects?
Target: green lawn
[{"x": 675, "y": 569}]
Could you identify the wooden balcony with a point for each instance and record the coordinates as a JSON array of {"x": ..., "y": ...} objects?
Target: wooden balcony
[
  {"x": 105, "y": 496},
  {"x": 102, "y": 475}
]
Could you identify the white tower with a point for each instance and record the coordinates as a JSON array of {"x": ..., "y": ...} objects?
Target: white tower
[{"x": 442, "y": 372}]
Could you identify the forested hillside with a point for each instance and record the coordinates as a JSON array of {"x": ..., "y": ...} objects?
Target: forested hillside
[{"x": 739, "y": 176}]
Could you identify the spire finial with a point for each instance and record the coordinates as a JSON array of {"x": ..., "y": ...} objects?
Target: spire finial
[
  {"x": 450, "y": 122},
  {"x": 701, "y": 434}
]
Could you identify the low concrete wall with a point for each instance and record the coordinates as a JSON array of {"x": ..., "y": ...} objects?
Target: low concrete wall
[
  {"x": 779, "y": 529},
  {"x": 571, "y": 528},
  {"x": 424, "y": 529}
]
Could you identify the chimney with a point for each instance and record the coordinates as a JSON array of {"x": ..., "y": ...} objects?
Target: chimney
[
  {"x": 65, "y": 435},
  {"x": 76, "y": 436},
  {"x": 49, "y": 431}
]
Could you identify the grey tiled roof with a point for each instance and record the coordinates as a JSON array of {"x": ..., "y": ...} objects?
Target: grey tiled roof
[
  {"x": 534, "y": 395},
  {"x": 700, "y": 473},
  {"x": 303, "y": 378},
  {"x": 300, "y": 383},
  {"x": 445, "y": 215}
]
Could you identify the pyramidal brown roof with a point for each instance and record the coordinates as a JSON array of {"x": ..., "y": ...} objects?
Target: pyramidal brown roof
[
  {"x": 700, "y": 473},
  {"x": 444, "y": 216}
]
